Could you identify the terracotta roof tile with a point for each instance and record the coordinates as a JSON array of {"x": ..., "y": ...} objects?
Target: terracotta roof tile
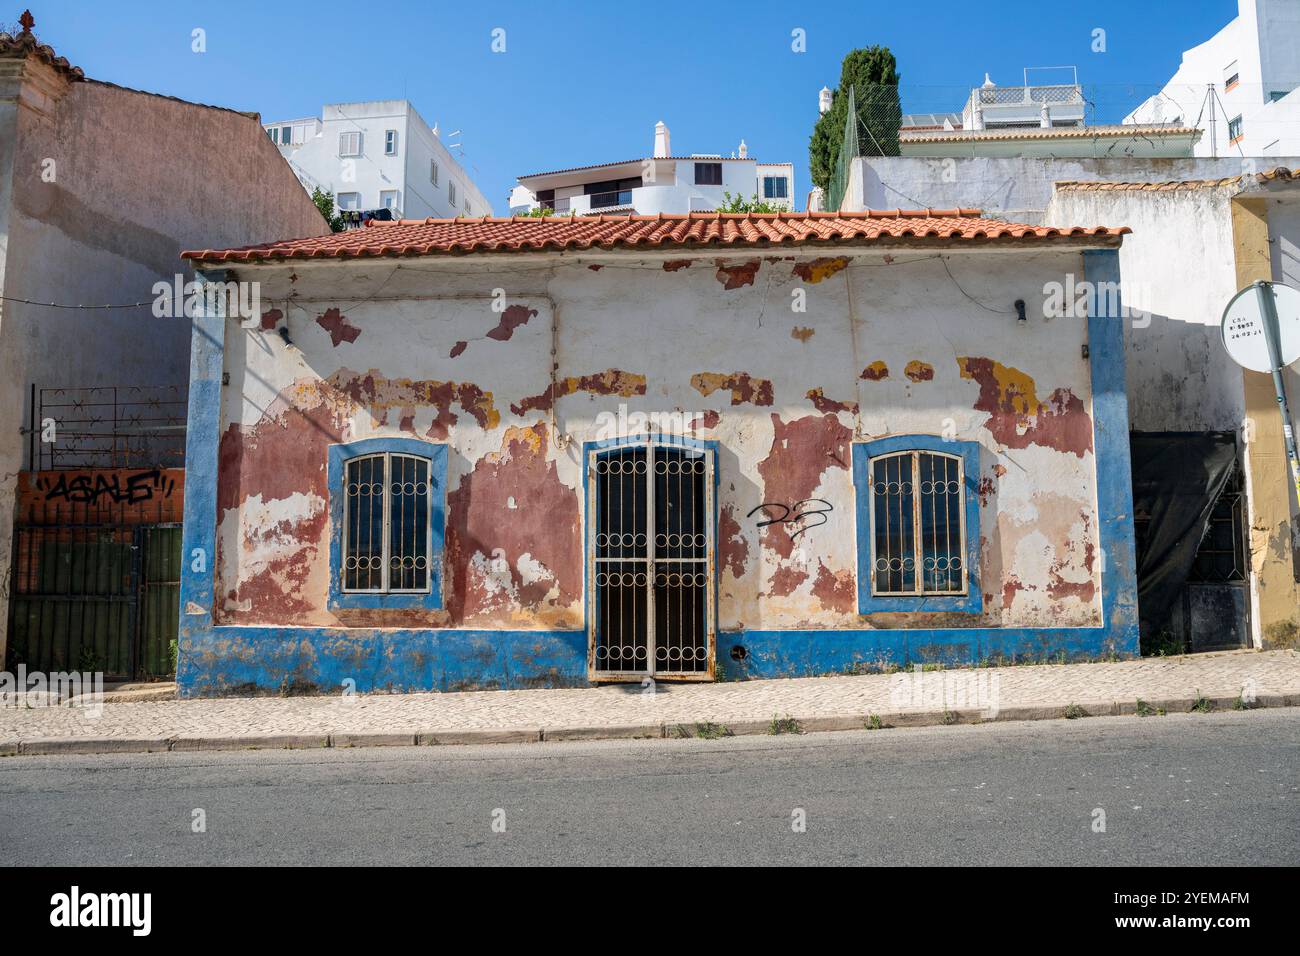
[
  {"x": 1280, "y": 174},
  {"x": 24, "y": 44},
  {"x": 427, "y": 237},
  {"x": 1150, "y": 187},
  {"x": 1113, "y": 131}
]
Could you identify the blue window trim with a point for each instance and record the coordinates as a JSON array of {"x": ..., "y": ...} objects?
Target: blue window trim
[
  {"x": 972, "y": 602},
  {"x": 339, "y": 456}
]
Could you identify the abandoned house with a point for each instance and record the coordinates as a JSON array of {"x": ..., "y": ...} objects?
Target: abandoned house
[{"x": 489, "y": 453}]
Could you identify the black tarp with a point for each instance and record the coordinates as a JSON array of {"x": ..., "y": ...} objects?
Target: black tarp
[{"x": 1177, "y": 478}]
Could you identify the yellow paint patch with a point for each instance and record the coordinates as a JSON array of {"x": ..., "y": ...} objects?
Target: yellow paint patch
[
  {"x": 1015, "y": 388},
  {"x": 819, "y": 269}
]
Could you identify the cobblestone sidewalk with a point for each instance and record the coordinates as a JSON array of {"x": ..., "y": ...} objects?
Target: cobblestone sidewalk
[{"x": 1269, "y": 678}]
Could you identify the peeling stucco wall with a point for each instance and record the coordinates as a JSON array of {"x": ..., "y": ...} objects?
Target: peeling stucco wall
[
  {"x": 712, "y": 342},
  {"x": 107, "y": 186},
  {"x": 1178, "y": 269}
]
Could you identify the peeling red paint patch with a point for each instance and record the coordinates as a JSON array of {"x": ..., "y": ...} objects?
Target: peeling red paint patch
[
  {"x": 337, "y": 325},
  {"x": 786, "y": 579},
  {"x": 458, "y": 348},
  {"x": 919, "y": 371},
  {"x": 283, "y": 454},
  {"x": 743, "y": 387},
  {"x": 1018, "y": 419},
  {"x": 612, "y": 381},
  {"x": 595, "y": 268},
  {"x": 270, "y": 319},
  {"x": 875, "y": 372},
  {"x": 802, "y": 451},
  {"x": 733, "y": 277},
  {"x": 513, "y": 317},
  {"x": 277, "y": 590},
  {"x": 510, "y": 505},
  {"x": 380, "y": 394},
  {"x": 835, "y": 589},
  {"x": 733, "y": 548},
  {"x": 1059, "y": 588},
  {"x": 672, "y": 265},
  {"x": 824, "y": 404},
  {"x": 1010, "y": 587},
  {"x": 819, "y": 269},
  {"x": 711, "y": 418}
]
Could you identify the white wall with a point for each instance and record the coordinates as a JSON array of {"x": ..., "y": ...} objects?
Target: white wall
[
  {"x": 1264, "y": 40},
  {"x": 1018, "y": 189},
  {"x": 1177, "y": 266},
  {"x": 317, "y": 161}
]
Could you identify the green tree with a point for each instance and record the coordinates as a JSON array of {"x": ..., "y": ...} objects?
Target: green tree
[
  {"x": 739, "y": 203},
  {"x": 324, "y": 201},
  {"x": 873, "y": 75}
]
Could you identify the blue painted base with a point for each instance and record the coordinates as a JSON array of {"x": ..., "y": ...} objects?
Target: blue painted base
[{"x": 251, "y": 660}]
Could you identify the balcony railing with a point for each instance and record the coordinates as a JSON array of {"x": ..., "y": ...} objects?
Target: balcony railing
[
  {"x": 622, "y": 197},
  {"x": 1028, "y": 95}
]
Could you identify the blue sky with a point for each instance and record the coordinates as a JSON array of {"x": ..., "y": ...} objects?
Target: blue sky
[{"x": 584, "y": 83}]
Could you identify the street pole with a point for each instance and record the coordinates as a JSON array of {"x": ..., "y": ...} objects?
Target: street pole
[{"x": 1273, "y": 338}]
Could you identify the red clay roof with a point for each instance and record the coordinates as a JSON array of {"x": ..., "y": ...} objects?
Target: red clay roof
[
  {"x": 1112, "y": 131},
  {"x": 425, "y": 237},
  {"x": 24, "y": 43}
]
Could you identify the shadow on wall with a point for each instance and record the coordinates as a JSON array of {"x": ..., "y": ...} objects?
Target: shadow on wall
[{"x": 1179, "y": 377}]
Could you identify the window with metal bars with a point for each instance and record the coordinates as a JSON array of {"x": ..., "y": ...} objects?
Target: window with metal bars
[
  {"x": 386, "y": 524},
  {"x": 388, "y": 511},
  {"x": 918, "y": 524}
]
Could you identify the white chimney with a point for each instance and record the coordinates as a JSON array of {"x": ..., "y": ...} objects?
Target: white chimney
[
  {"x": 824, "y": 100},
  {"x": 662, "y": 149},
  {"x": 1044, "y": 117},
  {"x": 744, "y": 150}
]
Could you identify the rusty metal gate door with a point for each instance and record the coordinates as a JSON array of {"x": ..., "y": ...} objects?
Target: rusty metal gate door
[
  {"x": 95, "y": 597},
  {"x": 650, "y": 548}
]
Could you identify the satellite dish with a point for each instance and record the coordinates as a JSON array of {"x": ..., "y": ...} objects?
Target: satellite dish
[{"x": 1256, "y": 339}]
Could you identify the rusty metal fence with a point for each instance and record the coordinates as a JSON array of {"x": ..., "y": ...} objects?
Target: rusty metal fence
[
  {"x": 95, "y": 589},
  {"x": 94, "y": 577}
]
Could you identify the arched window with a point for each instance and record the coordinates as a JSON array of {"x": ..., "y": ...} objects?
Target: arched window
[
  {"x": 386, "y": 540},
  {"x": 918, "y": 524},
  {"x": 388, "y": 521},
  {"x": 918, "y": 542}
]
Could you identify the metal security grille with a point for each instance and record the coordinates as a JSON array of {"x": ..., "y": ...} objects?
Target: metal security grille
[
  {"x": 94, "y": 589},
  {"x": 651, "y": 568},
  {"x": 386, "y": 528},
  {"x": 918, "y": 528}
]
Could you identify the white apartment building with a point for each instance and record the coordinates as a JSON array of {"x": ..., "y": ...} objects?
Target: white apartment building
[
  {"x": 1241, "y": 86},
  {"x": 379, "y": 155},
  {"x": 658, "y": 183},
  {"x": 1036, "y": 119}
]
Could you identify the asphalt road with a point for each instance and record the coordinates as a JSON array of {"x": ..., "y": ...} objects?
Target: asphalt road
[{"x": 1192, "y": 789}]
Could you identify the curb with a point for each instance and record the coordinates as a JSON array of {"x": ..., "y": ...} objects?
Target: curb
[{"x": 677, "y": 730}]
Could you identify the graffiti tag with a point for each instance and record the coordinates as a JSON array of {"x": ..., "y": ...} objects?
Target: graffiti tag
[
  {"x": 799, "y": 517},
  {"x": 90, "y": 489}
]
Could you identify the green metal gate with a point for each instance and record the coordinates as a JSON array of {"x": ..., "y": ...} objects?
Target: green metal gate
[{"x": 95, "y": 597}]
